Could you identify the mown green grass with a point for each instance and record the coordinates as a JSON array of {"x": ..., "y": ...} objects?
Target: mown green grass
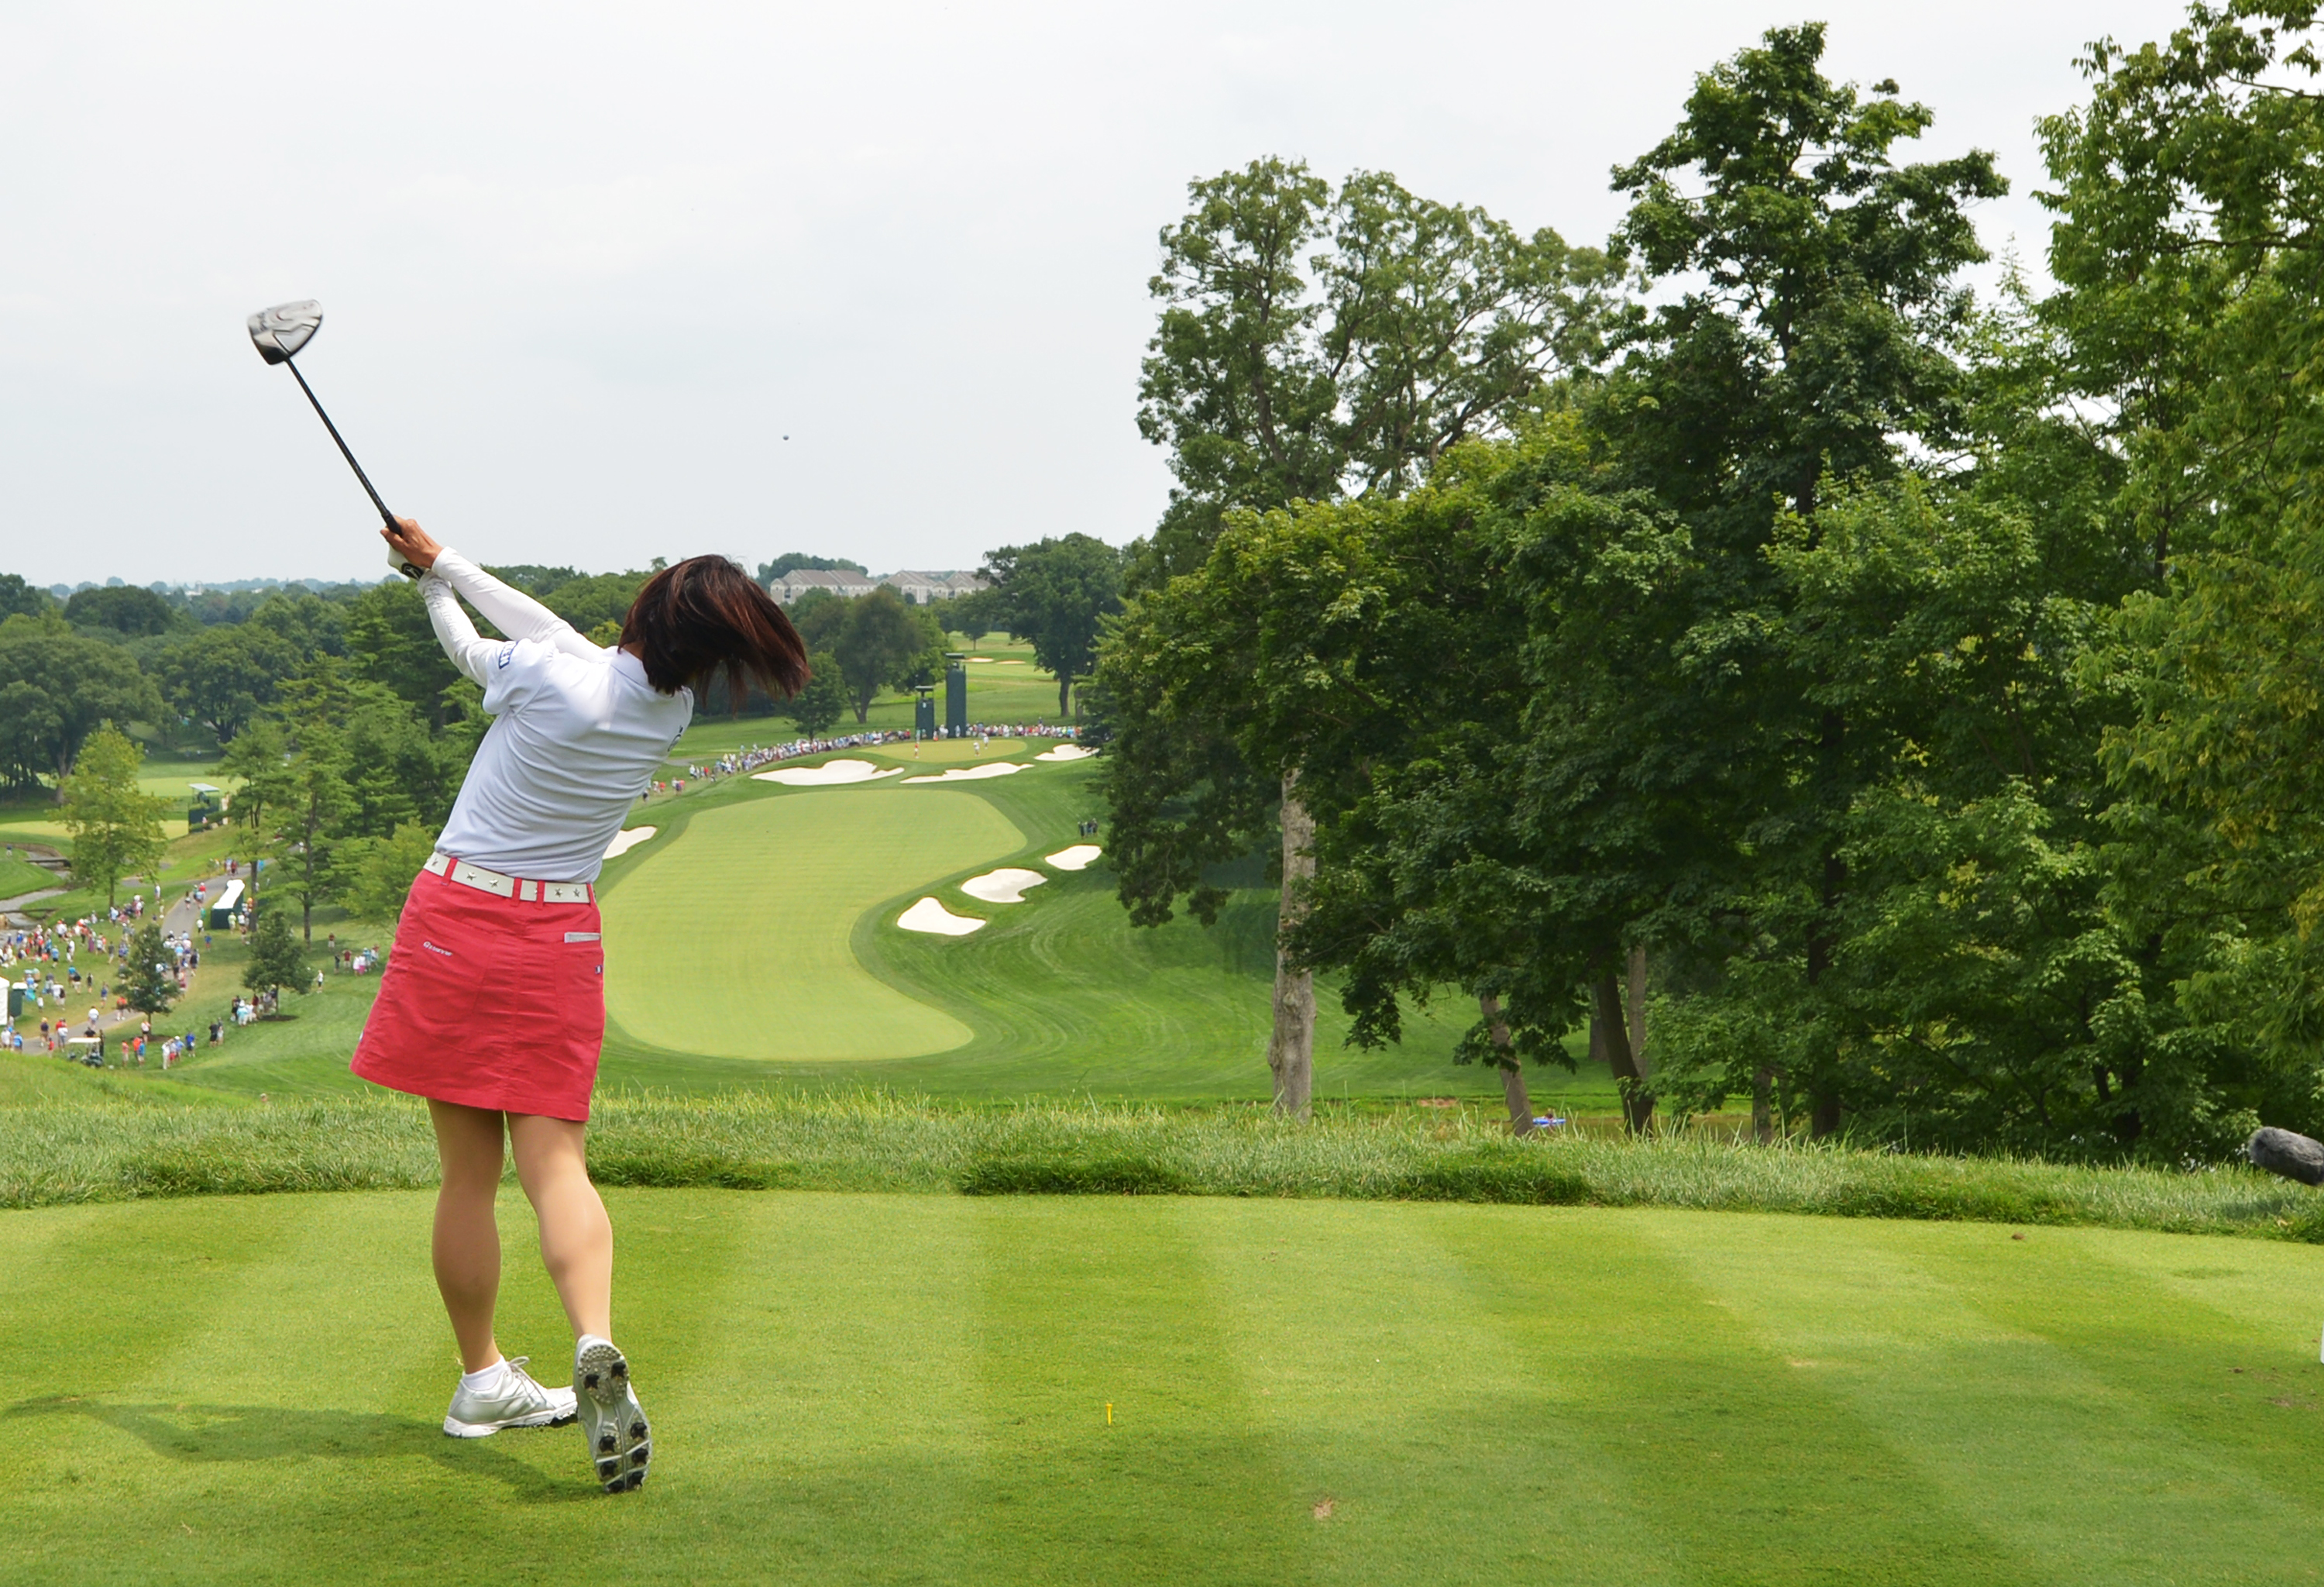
[
  {"x": 733, "y": 941},
  {"x": 895, "y": 1388},
  {"x": 1063, "y": 994},
  {"x": 1008, "y": 689},
  {"x": 19, "y": 877}
]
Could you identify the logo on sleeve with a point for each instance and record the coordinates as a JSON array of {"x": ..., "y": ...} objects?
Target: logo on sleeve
[{"x": 507, "y": 655}]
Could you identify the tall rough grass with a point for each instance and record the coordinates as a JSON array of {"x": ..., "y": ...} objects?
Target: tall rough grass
[{"x": 871, "y": 1142}]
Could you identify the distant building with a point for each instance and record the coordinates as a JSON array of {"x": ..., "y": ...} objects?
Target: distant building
[
  {"x": 918, "y": 588},
  {"x": 844, "y": 583}
]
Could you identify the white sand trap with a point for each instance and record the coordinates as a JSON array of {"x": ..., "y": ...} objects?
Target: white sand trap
[
  {"x": 970, "y": 773},
  {"x": 1076, "y": 858},
  {"x": 1066, "y": 752},
  {"x": 1004, "y": 886},
  {"x": 984, "y": 661},
  {"x": 623, "y": 842},
  {"x": 1013, "y": 661},
  {"x": 830, "y": 774},
  {"x": 930, "y": 915}
]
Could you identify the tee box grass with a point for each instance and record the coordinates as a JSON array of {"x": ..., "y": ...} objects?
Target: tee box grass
[{"x": 883, "y": 1388}]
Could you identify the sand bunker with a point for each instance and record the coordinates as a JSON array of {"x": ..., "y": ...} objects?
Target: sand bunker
[
  {"x": 623, "y": 842},
  {"x": 970, "y": 773},
  {"x": 930, "y": 915},
  {"x": 1076, "y": 858},
  {"x": 830, "y": 774},
  {"x": 1004, "y": 886},
  {"x": 1066, "y": 752}
]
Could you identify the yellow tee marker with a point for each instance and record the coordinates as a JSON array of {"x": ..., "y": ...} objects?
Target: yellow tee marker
[{"x": 1109, "y": 1413}]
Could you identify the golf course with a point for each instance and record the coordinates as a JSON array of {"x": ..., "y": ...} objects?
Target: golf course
[
  {"x": 755, "y": 936},
  {"x": 893, "y": 1389},
  {"x": 751, "y": 941},
  {"x": 899, "y": 1386}
]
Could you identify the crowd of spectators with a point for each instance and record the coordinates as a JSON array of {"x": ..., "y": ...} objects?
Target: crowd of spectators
[{"x": 751, "y": 758}]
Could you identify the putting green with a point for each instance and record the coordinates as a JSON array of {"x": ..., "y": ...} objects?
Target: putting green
[{"x": 730, "y": 939}]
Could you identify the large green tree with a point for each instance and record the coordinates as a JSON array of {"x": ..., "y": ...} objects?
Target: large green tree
[
  {"x": 55, "y": 687},
  {"x": 2192, "y": 311},
  {"x": 123, "y": 608},
  {"x": 1055, "y": 594},
  {"x": 149, "y": 977},
  {"x": 116, "y": 826},
  {"x": 277, "y": 958},
  {"x": 391, "y": 642},
  {"x": 223, "y": 677},
  {"x": 818, "y": 708},
  {"x": 884, "y": 643},
  {"x": 1311, "y": 346},
  {"x": 19, "y": 597},
  {"x": 1816, "y": 323}
]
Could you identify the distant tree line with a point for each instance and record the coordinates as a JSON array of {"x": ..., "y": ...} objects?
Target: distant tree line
[{"x": 350, "y": 731}]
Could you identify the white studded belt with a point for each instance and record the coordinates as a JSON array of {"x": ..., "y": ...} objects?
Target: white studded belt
[{"x": 509, "y": 887}]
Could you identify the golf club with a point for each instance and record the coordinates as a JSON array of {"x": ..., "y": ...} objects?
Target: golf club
[{"x": 279, "y": 333}]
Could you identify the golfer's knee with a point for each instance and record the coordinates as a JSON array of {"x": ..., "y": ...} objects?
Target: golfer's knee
[{"x": 470, "y": 1181}]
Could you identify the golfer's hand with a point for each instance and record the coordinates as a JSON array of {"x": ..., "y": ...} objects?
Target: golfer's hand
[{"x": 408, "y": 540}]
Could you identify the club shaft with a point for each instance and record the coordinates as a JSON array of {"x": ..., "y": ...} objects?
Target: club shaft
[{"x": 386, "y": 517}]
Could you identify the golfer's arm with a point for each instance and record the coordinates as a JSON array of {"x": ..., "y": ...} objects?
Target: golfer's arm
[
  {"x": 454, "y": 632},
  {"x": 512, "y": 611}
]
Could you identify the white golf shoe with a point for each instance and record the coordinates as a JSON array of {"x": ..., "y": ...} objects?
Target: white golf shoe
[
  {"x": 519, "y": 1402},
  {"x": 621, "y": 1444}
]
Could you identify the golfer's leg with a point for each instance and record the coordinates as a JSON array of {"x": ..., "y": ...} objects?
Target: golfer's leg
[
  {"x": 467, "y": 1247},
  {"x": 577, "y": 1237}
]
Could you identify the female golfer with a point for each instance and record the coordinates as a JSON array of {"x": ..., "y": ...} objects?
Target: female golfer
[{"x": 493, "y": 1004}]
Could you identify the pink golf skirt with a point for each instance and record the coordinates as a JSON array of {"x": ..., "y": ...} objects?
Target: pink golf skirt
[{"x": 490, "y": 1001}]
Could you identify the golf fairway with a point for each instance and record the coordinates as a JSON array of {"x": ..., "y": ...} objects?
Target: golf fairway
[
  {"x": 866, "y": 1388},
  {"x": 731, "y": 940}
]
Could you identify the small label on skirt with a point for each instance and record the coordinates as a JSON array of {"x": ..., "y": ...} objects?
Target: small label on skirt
[{"x": 583, "y": 936}]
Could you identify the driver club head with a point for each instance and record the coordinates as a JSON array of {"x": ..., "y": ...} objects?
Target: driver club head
[{"x": 278, "y": 333}]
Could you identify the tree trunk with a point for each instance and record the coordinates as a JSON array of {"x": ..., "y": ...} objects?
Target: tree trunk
[
  {"x": 1823, "y": 1088},
  {"x": 1638, "y": 1103},
  {"x": 1291, "y": 1050},
  {"x": 1639, "y": 1055},
  {"x": 1065, "y": 702},
  {"x": 1763, "y": 1115},
  {"x": 1825, "y": 1118},
  {"x": 1513, "y": 1085}
]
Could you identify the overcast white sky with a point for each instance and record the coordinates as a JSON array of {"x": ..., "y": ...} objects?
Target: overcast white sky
[{"x": 585, "y": 264}]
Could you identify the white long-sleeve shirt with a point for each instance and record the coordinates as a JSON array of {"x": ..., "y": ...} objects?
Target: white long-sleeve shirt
[{"x": 576, "y": 732}]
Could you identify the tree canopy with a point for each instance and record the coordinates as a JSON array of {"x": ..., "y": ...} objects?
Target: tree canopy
[
  {"x": 1821, "y": 686},
  {"x": 1055, "y": 593}
]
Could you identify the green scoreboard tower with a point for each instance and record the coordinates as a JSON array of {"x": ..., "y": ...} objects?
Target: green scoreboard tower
[{"x": 956, "y": 695}]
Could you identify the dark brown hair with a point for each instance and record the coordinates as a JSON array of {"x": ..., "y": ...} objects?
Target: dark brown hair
[{"x": 704, "y": 616}]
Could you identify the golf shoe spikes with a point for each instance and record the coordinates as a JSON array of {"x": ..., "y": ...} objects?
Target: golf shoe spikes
[{"x": 621, "y": 1441}]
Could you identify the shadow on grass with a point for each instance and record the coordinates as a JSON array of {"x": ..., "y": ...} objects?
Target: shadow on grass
[{"x": 210, "y": 1434}]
